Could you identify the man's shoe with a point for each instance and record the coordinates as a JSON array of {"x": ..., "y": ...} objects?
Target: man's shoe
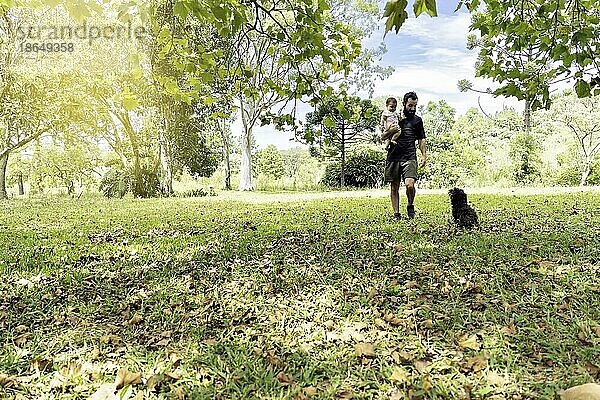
[
  {"x": 397, "y": 216},
  {"x": 410, "y": 210}
]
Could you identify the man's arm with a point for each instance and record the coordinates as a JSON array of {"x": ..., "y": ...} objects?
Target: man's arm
[
  {"x": 423, "y": 152},
  {"x": 386, "y": 134}
]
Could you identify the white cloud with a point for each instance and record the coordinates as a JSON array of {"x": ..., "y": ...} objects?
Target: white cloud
[{"x": 430, "y": 57}]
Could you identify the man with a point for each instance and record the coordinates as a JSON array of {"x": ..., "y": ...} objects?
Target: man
[{"x": 401, "y": 164}]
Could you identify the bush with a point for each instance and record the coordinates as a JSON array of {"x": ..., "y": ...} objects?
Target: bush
[
  {"x": 117, "y": 182},
  {"x": 364, "y": 168},
  {"x": 198, "y": 192}
]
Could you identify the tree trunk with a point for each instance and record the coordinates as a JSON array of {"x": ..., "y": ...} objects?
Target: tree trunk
[
  {"x": 226, "y": 153},
  {"x": 246, "y": 167},
  {"x": 138, "y": 188},
  {"x": 3, "y": 164},
  {"x": 527, "y": 116},
  {"x": 587, "y": 169},
  {"x": 70, "y": 187},
  {"x": 164, "y": 150},
  {"x": 138, "y": 185},
  {"x": 343, "y": 176},
  {"x": 20, "y": 184}
]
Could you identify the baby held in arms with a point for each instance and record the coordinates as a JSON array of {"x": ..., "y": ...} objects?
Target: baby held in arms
[{"x": 390, "y": 119}]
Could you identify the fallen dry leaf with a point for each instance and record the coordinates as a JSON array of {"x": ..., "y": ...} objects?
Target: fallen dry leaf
[
  {"x": 329, "y": 324},
  {"x": 476, "y": 363},
  {"x": 379, "y": 323},
  {"x": 105, "y": 392},
  {"x": 310, "y": 391},
  {"x": 592, "y": 369},
  {"x": 7, "y": 381},
  {"x": 154, "y": 381},
  {"x": 175, "y": 375},
  {"x": 584, "y": 337},
  {"x": 364, "y": 350},
  {"x": 427, "y": 385},
  {"x": 392, "y": 320},
  {"x": 138, "y": 396},
  {"x": 495, "y": 378},
  {"x": 39, "y": 364},
  {"x": 135, "y": 320},
  {"x": 23, "y": 338},
  {"x": 285, "y": 379},
  {"x": 422, "y": 365},
  {"x": 402, "y": 357},
  {"x": 111, "y": 339},
  {"x": 125, "y": 377},
  {"x": 469, "y": 342},
  {"x": 509, "y": 330},
  {"x": 399, "y": 375},
  {"x": 589, "y": 391},
  {"x": 306, "y": 393}
]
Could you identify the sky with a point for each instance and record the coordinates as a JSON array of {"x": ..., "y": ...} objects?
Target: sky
[{"x": 430, "y": 56}]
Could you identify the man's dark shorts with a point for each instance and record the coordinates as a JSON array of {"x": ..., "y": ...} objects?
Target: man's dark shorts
[{"x": 398, "y": 171}]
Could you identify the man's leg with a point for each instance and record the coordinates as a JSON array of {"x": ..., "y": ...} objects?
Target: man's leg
[
  {"x": 410, "y": 190},
  {"x": 395, "y": 197},
  {"x": 410, "y": 195}
]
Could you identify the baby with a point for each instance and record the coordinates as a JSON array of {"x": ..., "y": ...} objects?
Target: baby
[{"x": 390, "y": 120}]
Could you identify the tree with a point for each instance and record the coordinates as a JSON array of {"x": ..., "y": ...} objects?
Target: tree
[
  {"x": 66, "y": 164},
  {"x": 31, "y": 106},
  {"x": 438, "y": 118},
  {"x": 19, "y": 168},
  {"x": 269, "y": 162},
  {"x": 338, "y": 124},
  {"x": 118, "y": 99},
  {"x": 364, "y": 168},
  {"x": 561, "y": 37},
  {"x": 457, "y": 149},
  {"x": 522, "y": 67},
  {"x": 582, "y": 118},
  {"x": 525, "y": 153},
  {"x": 282, "y": 51}
]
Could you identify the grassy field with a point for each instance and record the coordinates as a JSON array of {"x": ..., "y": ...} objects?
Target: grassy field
[{"x": 318, "y": 298}]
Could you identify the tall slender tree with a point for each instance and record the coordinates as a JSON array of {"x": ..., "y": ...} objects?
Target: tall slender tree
[{"x": 337, "y": 125}]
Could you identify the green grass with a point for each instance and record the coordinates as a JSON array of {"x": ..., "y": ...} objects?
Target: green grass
[{"x": 209, "y": 298}]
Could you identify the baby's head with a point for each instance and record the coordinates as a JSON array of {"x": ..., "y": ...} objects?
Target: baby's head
[{"x": 391, "y": 103}]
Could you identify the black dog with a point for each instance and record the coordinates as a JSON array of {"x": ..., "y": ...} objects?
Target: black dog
[{"x": 463, "y": 214}]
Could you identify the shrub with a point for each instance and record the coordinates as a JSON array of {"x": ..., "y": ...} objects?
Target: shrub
[
  {"x": 364, "y": 168},
  {"x": 198, "y": 192},
  {"x": 115, "y": 183},
  {"x": 118, "y": 181}
]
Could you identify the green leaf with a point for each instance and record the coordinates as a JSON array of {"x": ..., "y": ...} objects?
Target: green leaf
[
  {"x": 330, "y": 123},
  {"x": 51, "y": 3},
  {"x": 137, "y": 73},
  {"x": 209, "y": 100},
  {"x": 78, "y": 12},
  {"x": 180, "y": 9},
  {"x": 396, "y": 14},
  {"x": 428, "y": 6},
  {"x": 582, "y": 88},
  {"x": 130, "y": 101}
]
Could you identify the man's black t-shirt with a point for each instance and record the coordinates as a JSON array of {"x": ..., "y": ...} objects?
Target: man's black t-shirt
[{"x": 412, "y": 130}]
